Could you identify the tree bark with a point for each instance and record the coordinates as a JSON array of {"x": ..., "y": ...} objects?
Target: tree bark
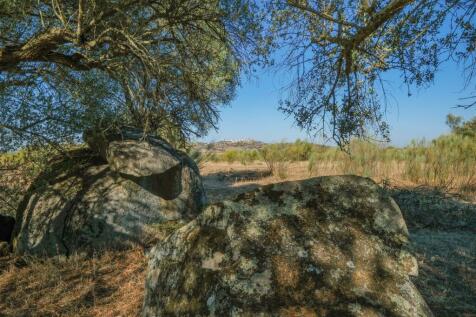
[{"x": 42, "y": 48}]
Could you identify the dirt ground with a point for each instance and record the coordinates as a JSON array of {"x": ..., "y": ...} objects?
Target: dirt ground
[{"x": 442, "y": 230}]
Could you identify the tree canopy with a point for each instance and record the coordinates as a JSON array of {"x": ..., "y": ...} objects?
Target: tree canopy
[
  {"x": 166, "y": 66},
  {"x": 460, "y": 127},
  {"x": 161, "y": 65},
  {"x": 340, "y": 51}
]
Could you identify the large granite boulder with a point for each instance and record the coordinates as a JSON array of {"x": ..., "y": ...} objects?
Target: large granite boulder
[
  {"x": 155, "y": 165},
  {"x": 329, "y": 246},
  {"x": 85, "y": 202}
]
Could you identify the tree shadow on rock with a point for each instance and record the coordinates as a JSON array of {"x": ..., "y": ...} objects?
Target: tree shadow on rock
[{"x": 79, "y": 203}]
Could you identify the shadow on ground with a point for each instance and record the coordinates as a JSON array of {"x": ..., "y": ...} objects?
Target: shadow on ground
[
  {"x": 432, "y": 209},
  {"x": 108, "y": 284},
  {"x": 443, "y": 238},
  {"x": 225, "y": 185}
]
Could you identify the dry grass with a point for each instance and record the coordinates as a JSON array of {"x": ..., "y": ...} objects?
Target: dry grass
[
  {"x": 224, "y": 180},
  {"x": 447, "y": 163},
  {"x": 108, "y": 284},
  {"x": 392, "y": 173},
  {"x": 237, "y": 174}
]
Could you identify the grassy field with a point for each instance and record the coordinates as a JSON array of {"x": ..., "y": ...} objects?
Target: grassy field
[{"x": 447, "y": 163}]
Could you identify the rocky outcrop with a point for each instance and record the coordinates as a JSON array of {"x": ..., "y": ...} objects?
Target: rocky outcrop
[
  {"x": 153, "y": 164},
  {"x": 330, "y": 246},
  {"x": 110, "y": 197},
  {"x": 6, "y": 227}
]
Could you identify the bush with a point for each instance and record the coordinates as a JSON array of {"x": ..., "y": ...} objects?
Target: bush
[
  {"x": 324, "y": 155},
  {"x": 198, "y": 156},
  {"x": 230, "y": 156},
  {"x": 17, "y": 170},
  {"x": 276, "y": 159},
  {"x": 448, "y": 162},
  {"x": 242, "y": 156},
  {"x": 299, "y": 150},
  {"x": 363, "y": 158}
]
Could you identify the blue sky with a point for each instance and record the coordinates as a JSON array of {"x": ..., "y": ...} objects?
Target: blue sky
[{"x": 253, "y": 114}]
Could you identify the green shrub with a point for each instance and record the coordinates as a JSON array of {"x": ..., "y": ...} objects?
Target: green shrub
[
  {"x": 291, "y": 152},
  {"x": 299, "y": 150},
  {"x": 233, "y": 155},
  {"x": 248, "y": 156},
  {"x": 230, "y": 156},
  {"x": 276, "y": 159},
  {"x": 448, "y": 162},
  {"x": 363, "y": 158},
  {"x": 324, "y": 155},
  {"x": 17, "y": 170}
]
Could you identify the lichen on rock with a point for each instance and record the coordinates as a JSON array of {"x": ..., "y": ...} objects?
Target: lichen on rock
[{"x": 329, "y": 246}]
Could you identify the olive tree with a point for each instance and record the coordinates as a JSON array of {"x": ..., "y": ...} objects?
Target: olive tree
[
  {"x": 160, "y": 65},
  {"x": 341, "y": 51}
]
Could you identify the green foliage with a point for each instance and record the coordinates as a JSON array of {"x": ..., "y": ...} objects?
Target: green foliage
[
  {"x": 460, "y": 127},
  {"x": 292, "y": 152},
  {"x": 17, "y": 170},
  {"x": 341, "y": 50},
  {"x": 234, "y": 155},
  {"x": 230, "y": 156},
  {"x": 197, "y": 156},
  {"x": 323, "y": 156},
  {"x": 278, "y": 156},
  {"x": 363, "y": 158},
  {"x": 453, "y": 121},
  {"x": 298, "y": 151},
  {"x": 447, "y": 162},
  {"x": 276, "y": 159},
  {"x": 163, "y": 66}
]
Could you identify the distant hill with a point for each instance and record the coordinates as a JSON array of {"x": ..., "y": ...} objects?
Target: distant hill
[{"x": 222, "y": 146}]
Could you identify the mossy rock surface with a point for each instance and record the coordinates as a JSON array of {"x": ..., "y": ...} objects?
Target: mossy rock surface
[{"x": 329, "y": 246}]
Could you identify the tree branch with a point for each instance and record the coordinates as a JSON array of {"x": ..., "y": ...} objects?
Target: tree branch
[
  {"x": 322, "y": 15},
  {"x": 32, "y": 50},
  {"x": 377, "y": 20}
]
